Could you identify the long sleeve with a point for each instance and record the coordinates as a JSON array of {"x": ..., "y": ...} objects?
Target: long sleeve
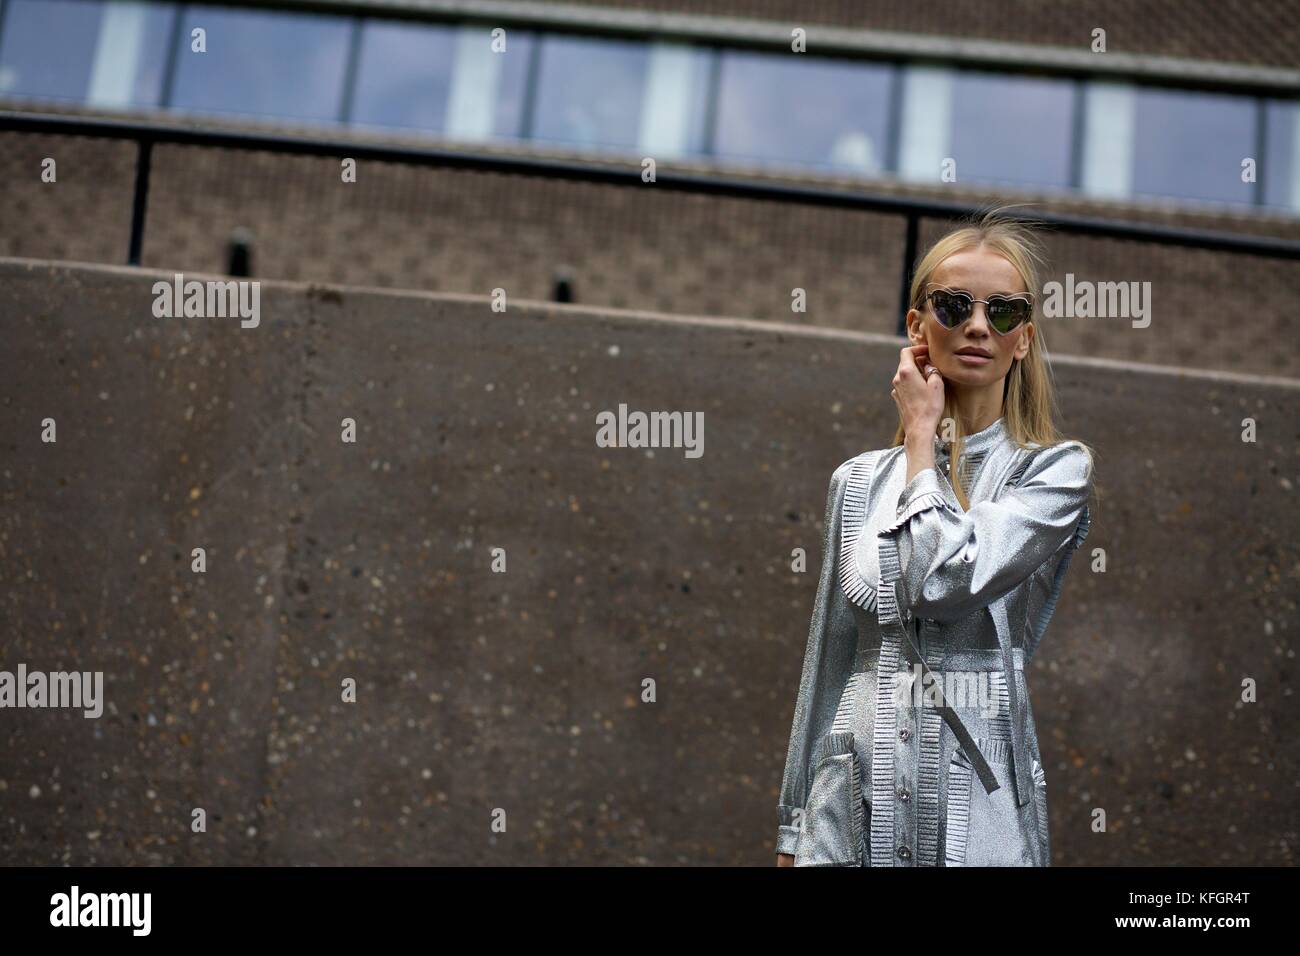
[
  {"x": 954, "y": 563},
  {"x": 828, "y": 659}
]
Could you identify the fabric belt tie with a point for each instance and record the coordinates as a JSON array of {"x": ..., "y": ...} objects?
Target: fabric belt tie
[
  {"x": 949, "y": 715},
  {"x": 893, "y": 634}
]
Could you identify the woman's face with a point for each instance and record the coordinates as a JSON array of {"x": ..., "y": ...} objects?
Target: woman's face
[{"x": 972, "y": 354}]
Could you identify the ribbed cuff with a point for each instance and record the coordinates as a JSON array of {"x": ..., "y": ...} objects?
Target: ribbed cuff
[
  {"x": 787, "y": 834},
  {"x": 787, "y": 838}
]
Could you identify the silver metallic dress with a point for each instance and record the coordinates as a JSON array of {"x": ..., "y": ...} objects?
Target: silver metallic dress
[{"x": 913, "y": 742}]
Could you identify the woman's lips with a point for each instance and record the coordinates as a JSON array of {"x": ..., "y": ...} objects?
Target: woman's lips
[{"x": 969, "y": 359}]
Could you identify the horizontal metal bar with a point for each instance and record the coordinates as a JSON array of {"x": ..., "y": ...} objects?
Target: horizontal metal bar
[{"x": 629, "y": 175}]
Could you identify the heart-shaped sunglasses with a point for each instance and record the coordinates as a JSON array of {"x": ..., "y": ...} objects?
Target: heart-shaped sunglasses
[{"x": 1005, "y": 313}]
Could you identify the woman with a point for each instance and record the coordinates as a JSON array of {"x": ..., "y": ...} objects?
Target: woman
[{"x": 913, "y": 741}]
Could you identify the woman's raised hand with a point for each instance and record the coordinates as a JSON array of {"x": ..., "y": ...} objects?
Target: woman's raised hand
[{"x": 919, "y": 395}]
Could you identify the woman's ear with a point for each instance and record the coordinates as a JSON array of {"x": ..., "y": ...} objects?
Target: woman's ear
[
  {"x": 1026, "y": 336},
  {"x": 915, "y": 327}
]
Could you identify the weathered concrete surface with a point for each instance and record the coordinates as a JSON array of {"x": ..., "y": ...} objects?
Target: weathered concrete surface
[{"x": 521, "y": 690}]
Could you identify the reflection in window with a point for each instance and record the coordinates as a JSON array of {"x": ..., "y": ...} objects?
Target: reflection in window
[
  {"x": 1108, "y": 119},
  {"x": 262, "y": 63},
  {"x": 441, "y": 79},
  {"x": 617, "y": 94},
  {"x": 1279, "y": 174},
  {"x": 104, "y": 54},
  {"x": 1016, "y": 130},
  {"x": 1190, "y": 145},
  {"x": 808, "y": 110},
  {"x": 511, "y": 95}
]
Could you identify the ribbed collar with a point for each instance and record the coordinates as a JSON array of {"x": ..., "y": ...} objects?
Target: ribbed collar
[{"x": 980, "y": 442}]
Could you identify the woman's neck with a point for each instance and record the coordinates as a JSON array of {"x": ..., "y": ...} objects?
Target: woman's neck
[{"x": 978, "y": 408}]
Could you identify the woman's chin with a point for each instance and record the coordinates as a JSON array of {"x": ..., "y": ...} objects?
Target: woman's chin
[{"x": 959, "y": 374}]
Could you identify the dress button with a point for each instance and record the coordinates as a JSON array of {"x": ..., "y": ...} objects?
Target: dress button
[
  {"x": 904, "y": 853},
  {"x": 904, "y": 795},
  {"x": 904, "y": 734}
]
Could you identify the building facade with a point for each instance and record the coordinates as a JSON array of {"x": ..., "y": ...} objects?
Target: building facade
[{"x": 1176, "y": 113}]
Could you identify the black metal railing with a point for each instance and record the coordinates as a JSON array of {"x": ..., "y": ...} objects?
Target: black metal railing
[{"x": 912, "y": 209}]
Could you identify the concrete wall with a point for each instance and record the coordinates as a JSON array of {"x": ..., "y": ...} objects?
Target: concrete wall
[{"x": 521, "y": 690}]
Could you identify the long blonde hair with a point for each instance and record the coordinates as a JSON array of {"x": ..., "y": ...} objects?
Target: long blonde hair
[{"x": 1029, "y": 399}]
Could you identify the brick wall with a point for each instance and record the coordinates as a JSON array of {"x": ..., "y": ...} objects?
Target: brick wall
[
  {"x": 1259, "y": 32},
  {"x": 622, "y": 247}
]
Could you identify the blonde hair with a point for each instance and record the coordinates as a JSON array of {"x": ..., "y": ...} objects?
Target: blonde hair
[{"x": 1029, "y": 399}]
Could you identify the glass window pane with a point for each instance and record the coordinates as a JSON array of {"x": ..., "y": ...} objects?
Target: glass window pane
[
  {"x": 487, "y": 83},
  {"x": 262, "y": 63},
  {"x": 1011, "y": 129},
  {"x": 450, "y": 80},
  {"x": 404, "y": 75},
  {"x": 589, "y": 91},
  {"x": 674, "y": 100},
  {"x": 1279, "y": 174},
  {"x": 1190, "y": 145},
  {"x": 512, "y": 88},
  {"x": 107, "y": 54},
  {"x": 809, "y": 110}
]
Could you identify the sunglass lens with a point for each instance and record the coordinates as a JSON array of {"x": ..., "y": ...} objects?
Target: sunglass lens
[
  {"x": 1006, "y": 314},
  {"x": 951, "y": 310}
]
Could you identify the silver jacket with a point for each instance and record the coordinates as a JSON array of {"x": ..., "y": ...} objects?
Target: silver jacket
[{"x": 909, "y": 746}]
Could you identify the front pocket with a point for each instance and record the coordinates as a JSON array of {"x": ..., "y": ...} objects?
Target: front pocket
[
  {"x": 988, "y": 829},
  {"x": 833, "y": 821}
]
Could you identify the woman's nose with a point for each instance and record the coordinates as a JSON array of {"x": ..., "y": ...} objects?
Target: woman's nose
[{"x": 979, "y": 318}]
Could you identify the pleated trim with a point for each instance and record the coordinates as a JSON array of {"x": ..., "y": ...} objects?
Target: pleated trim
[
  {"x": 927, "y": 784},
  {"x": 960, "y": 774},
  {"x": 838, "y": 742},
  {"x": 969, "y": 468},
  {"x": 882, "y": 753},
  {"x": 996, "y": 751},
  {"x": 1000, "y": 723},
  {"x": 931, "y": 499},
  {"x": 852, "y": 520},
  {"x": 1081, "y": 532},
  {"x": 1040, "y": 795},
  {"x": 1018, "y": 474},
  {"x": 857, "y": 813}
]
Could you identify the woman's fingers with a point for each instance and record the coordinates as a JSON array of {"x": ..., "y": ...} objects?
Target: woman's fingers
[
  {"x": 914, "y": 357},
  {"x": 921, "y": 356},
  {"x": 906, "y": 364}
]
